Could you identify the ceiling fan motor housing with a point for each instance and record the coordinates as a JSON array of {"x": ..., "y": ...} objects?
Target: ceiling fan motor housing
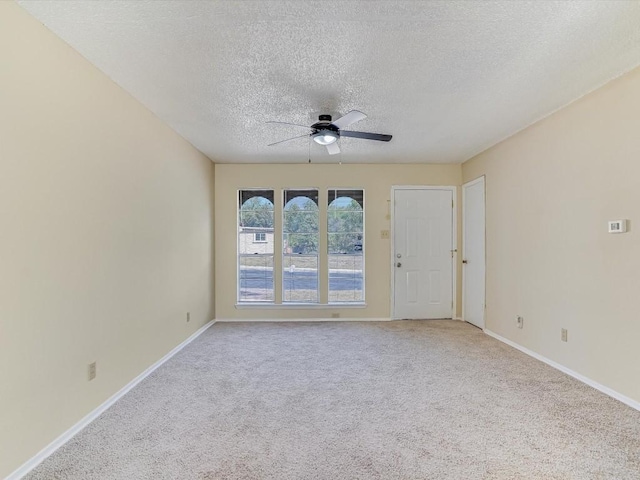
[{"x": 324, "y": 123}]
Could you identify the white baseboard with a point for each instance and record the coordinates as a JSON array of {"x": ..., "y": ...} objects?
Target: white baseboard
[
  {"x": 341, "y": 319},
  {"x": 606, "y": 390},
  {"x": 69, "y": 434}
]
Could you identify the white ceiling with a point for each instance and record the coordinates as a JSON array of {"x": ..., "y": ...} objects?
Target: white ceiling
[{"x": 447, "y": 78}]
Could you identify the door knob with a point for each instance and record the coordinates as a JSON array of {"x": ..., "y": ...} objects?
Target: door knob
[
  {"x": 398, "y": 264},
  {"x": 464, "y": 261}
]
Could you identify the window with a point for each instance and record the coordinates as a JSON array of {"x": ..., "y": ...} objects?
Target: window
[
  {"x": 300, "y": 246},
  {"x": 255, "y": 251},
  {"x": 342, "y": 260},
  {"x": 345, "y": 242}
]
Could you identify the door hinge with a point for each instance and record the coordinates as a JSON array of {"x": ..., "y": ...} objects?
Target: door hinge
[{"x": 451, "y": 203}]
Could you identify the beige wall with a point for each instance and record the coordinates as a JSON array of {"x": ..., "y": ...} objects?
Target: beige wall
[
  {"x": 550, "y": 191},
  {"x": 105, "y": 237},
  {"x": 376, "y": 180}
]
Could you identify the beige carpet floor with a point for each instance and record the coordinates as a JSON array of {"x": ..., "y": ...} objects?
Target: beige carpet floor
[{"x": 388, "y": 400}]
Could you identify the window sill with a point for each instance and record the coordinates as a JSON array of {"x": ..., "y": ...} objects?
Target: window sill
[{"x": 299, "y": 306}]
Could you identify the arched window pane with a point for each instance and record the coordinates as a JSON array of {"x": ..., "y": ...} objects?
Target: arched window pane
[
  {"x": 300, "y": 246},
  {"x": 255, "y": 246},
  {"x": 345, "y": 243}
]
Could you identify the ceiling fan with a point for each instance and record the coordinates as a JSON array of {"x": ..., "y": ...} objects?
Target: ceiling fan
[{"x": 325, "y": 132}]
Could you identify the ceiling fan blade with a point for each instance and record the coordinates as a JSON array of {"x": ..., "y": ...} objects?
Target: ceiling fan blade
[
  {"x": 288, "y": 140},
  {"x": 352, "y": 117},
  {"x": 287, "y": 123},
  {"x": 369, "y": 136},
  {"x": 333, "y": 148}
]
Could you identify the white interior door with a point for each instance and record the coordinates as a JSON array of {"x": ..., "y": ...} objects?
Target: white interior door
[
  {"x": 422, "y": 258},
  {"x": 473, "y": 252}
]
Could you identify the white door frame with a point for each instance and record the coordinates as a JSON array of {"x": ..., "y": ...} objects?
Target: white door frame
[
  {"x": 454, "y": 242},
  {"x": 468, "y": 184}
]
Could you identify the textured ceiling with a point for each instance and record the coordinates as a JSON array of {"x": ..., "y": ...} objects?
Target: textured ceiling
[{"x": 448, "y": 79}]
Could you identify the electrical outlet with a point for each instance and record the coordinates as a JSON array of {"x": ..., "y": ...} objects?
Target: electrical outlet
[
  {"x": 335, "y": 315},
  {"x": 188, "y": 316},
  {"x": 563, "y": 334},
  {"x": 520, "y": 321},
  {"x": 92, "y": 371},
  {"x": 384, "y": 234}
]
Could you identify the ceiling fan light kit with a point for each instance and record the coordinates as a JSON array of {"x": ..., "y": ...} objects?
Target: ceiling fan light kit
[
  {"x": 325, "y": 132},
  {"x": 325, "y": 137}
]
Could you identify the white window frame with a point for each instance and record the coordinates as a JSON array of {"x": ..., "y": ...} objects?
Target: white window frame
[
  {"x": 285, "y": 303},
  {"x": 364, "y": 229},
  {"x": 322, "y": 258},
  {"x": 239, "y": 301}
]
